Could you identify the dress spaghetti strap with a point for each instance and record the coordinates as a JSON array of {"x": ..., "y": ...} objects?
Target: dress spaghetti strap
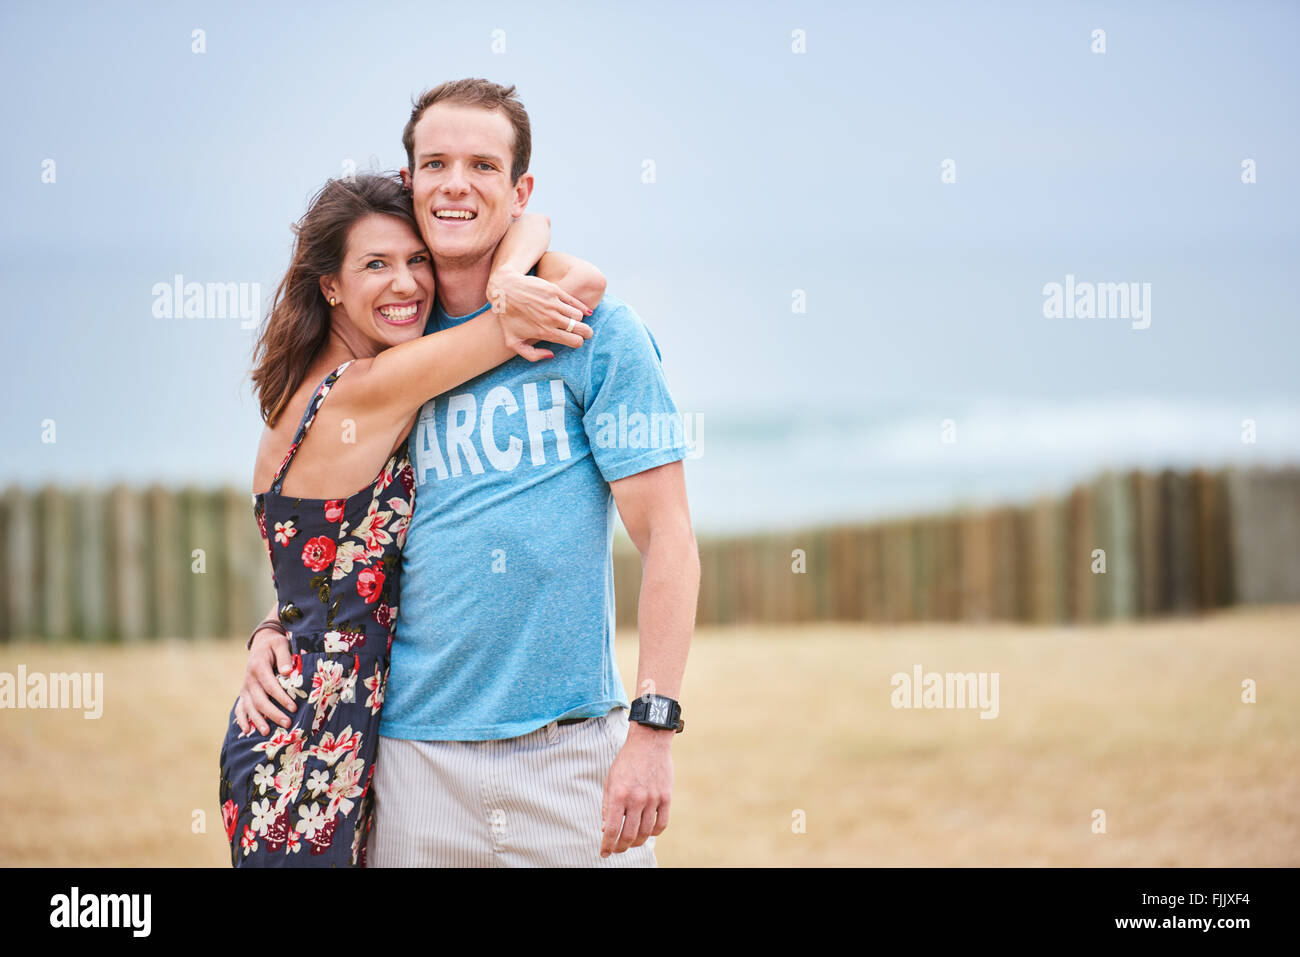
[{"x": 308, "y": 417}]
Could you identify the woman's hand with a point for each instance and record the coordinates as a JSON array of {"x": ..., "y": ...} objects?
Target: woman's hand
[{"x": 531, "y": 309}]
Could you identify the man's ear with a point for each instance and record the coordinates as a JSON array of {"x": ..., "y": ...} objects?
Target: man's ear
[
  {"x": 406, "y": 177},
  {"x": 523, "y": 192}
]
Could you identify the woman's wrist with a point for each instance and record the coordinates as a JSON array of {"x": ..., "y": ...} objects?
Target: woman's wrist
[{"x": 500, "y": 281}]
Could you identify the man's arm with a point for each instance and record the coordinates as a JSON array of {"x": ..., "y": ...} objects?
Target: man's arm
[
  {"x": 577, "y": 277},
  {"x": 254, "y": 706},
  {"x": 638, "y": 788}
]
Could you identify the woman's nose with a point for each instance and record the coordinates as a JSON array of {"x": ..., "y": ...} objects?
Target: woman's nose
[{"x": 404, "y": 281}]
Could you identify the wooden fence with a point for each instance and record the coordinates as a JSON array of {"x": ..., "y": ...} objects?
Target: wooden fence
[{"x": 127, "y": 564}]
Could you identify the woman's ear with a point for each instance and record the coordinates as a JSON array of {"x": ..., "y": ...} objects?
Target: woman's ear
[{"x": 329, "y": 287}]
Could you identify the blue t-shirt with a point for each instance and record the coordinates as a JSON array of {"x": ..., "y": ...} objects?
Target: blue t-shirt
[{"x": 506, "y": 615}]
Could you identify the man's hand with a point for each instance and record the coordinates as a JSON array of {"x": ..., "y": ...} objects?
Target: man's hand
[
  {"x": 638, "y": 790},
  {"x": 254, "y": 706}
]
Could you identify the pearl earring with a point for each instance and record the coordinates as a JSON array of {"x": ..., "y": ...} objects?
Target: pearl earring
[{"x": 333, "y": 301}]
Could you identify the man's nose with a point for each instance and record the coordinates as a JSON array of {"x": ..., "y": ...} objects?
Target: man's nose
[{"x": 456, "y": 182}]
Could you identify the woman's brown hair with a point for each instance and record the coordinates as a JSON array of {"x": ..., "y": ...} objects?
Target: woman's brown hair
[{"x": 299, "y": 321}]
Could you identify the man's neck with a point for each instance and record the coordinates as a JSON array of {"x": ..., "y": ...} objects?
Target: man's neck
[{"x": 462, "y": 287}]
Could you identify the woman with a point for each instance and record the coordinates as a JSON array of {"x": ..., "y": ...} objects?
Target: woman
[{"x": 347, "y": 322}]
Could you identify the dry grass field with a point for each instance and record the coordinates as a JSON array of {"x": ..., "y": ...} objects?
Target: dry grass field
[{"x": 1143, "y": 721}]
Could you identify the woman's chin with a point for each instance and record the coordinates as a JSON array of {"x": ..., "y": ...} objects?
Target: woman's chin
[{"x": 396, "y": 335}]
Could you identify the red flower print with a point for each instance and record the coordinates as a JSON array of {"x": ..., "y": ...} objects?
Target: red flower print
[
  {"x": 334, "y": 510},
  {"x": 369, "y": 582},
  {"x": 230, "y": 817},
  {"x": 407, "y": 475},
  {"x": 278, "y": 833},
  {"x": 318, "y": 553},
  {"x": 384, "y": 614},
  {"x": 324, "y": 837}
]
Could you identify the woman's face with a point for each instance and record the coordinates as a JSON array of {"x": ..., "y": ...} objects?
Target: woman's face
[{"x": 384, "y": 288}]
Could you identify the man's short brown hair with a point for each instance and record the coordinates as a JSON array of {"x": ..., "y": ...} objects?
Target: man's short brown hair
[{"x": 486, "y": 95}]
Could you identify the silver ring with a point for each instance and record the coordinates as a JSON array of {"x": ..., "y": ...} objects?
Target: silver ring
[{"x": 572, "y": 323}]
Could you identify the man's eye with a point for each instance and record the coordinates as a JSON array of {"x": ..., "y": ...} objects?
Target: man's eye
[
  {"x": 429, "y": 165},
  {"x": 488, "y": 165}
]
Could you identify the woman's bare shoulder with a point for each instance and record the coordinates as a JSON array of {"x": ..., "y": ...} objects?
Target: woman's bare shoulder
[
  {"x": 271, "y": 450},
  {"x": 351, "y": 390},
  {"x": 274, "y": 443}
]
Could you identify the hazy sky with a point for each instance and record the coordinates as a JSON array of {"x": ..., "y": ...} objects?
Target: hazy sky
[{"x": 775, "y": 171}]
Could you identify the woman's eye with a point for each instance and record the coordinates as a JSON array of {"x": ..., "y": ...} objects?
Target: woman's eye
[
  {"x": 419, "y": 258},
  {"x": 375, "y": 262}
]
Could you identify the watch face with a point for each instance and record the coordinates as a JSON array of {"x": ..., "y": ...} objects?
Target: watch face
[{"x": 658, "y": 711}]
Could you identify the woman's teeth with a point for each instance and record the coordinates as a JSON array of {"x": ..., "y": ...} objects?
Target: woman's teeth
[{"x": 399, "y": 313}]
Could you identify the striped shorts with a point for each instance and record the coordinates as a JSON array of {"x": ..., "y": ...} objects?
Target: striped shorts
[{"x": 530, "y": 801}]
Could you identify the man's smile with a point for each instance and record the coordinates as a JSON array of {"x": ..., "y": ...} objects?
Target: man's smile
[{"x": 454, "y": 214}]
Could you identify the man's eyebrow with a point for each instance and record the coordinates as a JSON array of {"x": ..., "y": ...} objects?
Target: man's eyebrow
[{"x": 478, "y": 156}]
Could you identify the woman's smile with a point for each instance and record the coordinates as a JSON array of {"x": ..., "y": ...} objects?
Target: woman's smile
[{"x": 400, "y": 313}]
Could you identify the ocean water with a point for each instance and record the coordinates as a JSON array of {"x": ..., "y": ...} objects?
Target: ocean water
[{"x": 755, "y": 471}]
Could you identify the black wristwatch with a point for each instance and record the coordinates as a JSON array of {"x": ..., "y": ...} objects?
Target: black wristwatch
[{"x": 656, "y": 711}]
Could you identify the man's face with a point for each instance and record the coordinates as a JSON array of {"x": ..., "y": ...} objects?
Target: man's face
[{"x": 464, "y": 199}]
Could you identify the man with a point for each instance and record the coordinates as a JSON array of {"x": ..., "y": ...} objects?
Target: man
[{"x": 505, "y": 640}]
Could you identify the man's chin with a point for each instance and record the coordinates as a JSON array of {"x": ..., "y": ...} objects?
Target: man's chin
[{"x": 460, "y": 253}]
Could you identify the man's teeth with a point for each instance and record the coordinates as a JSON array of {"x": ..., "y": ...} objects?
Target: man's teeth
[
  {"x": 454, "y": 214},
  {"x": 398, "y": 313}
]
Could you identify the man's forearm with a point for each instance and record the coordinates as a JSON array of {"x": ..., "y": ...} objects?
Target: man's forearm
[
  {"x": 670, "y": 586},
  {"x": 272, "y": 615}
]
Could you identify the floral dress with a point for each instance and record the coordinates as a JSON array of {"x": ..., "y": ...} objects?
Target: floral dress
[{"x": 301, "y": 796}]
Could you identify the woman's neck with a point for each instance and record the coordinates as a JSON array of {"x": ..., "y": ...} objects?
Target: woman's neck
[{"x": 344, "y": 344}]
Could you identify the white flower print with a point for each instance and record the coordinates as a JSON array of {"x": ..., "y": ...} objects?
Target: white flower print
[
  {"x": 320, "y": 780},
  {"x": 376, "y": 685},
  {"x": 331, "y": 748},
  {"x": 326, "y": 684},
  {"x": 263, "y": 816},
  {"x": 372, "y": 531},
  {"x": 310, "y": 820},
  {"x": 345, "y": 786},
  {"x": 279, "y": 739},
  {"x": 347, "y": 552},
  {"x": 292, "y": 682},
  {"x": 289, "y": 781}
]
